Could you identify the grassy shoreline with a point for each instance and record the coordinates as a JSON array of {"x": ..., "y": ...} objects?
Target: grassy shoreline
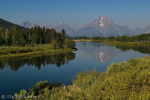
[
  {"x": 127, "y": 43},
  {"x": 128, "y": 80},
  {"x": 83, "y": 40},
  {"x": 115, "y": 42},
  {"x": 37, "y": 50}
]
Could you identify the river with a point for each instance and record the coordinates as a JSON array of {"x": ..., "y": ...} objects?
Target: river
[{"x": 22, "y": 73}]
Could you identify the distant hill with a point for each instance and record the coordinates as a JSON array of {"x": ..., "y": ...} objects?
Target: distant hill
[{"x": 7, "y": 24}]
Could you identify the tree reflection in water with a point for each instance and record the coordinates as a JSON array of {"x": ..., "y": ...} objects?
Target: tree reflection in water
[
  {"x": 18, "y": 62},
  {"x": 141, "y": 49}
]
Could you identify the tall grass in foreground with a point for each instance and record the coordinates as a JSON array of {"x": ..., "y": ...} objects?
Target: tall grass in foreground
[{"x": 122, "y": 81}]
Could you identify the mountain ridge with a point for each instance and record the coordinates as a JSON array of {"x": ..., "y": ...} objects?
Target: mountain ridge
[{"x": 102, "y": 26}]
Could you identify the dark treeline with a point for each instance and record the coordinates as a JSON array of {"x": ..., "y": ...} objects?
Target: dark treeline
[
  {"x": 140, "y": 38},
  {"x": 16, "y": 63},
  {"x": 37, "y": 35}
]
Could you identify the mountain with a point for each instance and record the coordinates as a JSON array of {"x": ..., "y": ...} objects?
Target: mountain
[
  {"x": 88, "y": 31},
  {"x": 66, "y": 27},
  {"x": 49, "y": 26},
  {"x": 58, "y": 28},
  {"x": 7, "y": 24},
  {"x": 147, "y": 29},
  {"x": 27, "y": 24},
  {"x": 138, "y": 31},
  {"x": 104, "y": 26}
]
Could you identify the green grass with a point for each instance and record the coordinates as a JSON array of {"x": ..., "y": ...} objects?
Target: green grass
[{"x": 41, "y": 49}]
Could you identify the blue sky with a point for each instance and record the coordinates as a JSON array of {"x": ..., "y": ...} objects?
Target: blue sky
[{"x": 76, "y": 13}]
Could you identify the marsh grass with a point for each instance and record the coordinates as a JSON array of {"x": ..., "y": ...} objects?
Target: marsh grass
[{"x": 29, "y": 50}]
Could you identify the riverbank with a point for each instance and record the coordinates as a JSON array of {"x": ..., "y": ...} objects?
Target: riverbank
[
  {"x": 115, "y": 42},
  {"x": 36, "y": 50},
  {"x": 83, "y": 40},
  {"x": 127, "y": 43},
  {"x": 121, "y": 81}
]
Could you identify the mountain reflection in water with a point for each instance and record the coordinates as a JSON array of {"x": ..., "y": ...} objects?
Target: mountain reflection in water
[{"x": 103, "y": 52}]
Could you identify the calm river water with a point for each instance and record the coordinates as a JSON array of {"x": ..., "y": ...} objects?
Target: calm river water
[{"x": 22, "y": 73}]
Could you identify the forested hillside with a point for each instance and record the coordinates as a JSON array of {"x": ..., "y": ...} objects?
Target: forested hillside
[{"x": 7, "y": 24}]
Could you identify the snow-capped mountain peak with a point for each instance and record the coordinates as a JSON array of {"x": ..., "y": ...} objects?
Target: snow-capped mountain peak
[
  {"x": 27, "y": 24},
  {"x": 61, "y": 23},
  {"x": 101, "y": 24}
]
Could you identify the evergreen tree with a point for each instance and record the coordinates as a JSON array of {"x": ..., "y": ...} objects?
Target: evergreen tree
[
  {"x": 6, "y": 36},
  {"x": 1, "y": 35},
  {"x": 52, "y": 34},
  {"x": 18, "y": 38},
  {"x": 63, "y": 35},
  {"x": 37, "y": 35}
]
